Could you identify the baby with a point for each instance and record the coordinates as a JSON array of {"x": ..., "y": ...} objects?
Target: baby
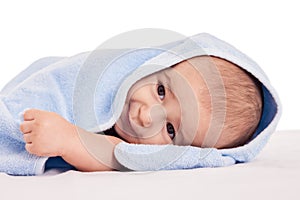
[{"x": 226, "y": 114}]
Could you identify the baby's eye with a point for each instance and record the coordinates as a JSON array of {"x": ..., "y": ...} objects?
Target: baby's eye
[
  {"x": 171, "y": 130},
  {"x": 161, "y": 91}
]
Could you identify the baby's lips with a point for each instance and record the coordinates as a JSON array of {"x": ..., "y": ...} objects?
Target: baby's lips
[{"x": 21, "y": 114}]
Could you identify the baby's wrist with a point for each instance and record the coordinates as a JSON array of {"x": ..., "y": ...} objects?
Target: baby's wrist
[{"x": 70, "y": 143}]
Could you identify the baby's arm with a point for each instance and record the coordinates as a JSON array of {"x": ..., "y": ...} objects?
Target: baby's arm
[{"x": 49, "y": 134}]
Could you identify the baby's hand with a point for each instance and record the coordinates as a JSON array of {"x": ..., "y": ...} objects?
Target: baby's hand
[{"x": 47, "y": 133}]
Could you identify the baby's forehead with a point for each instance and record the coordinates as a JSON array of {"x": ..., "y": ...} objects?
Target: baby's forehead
[{"x": 202, "y": 76}]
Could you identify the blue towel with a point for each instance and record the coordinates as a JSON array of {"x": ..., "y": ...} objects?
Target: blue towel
[{"x": 89, "y": 90}]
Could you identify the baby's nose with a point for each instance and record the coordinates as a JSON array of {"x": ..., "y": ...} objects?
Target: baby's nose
[
  {"x": 149, "y": 121},
  {"x": 144, "y": 116},
  {"x": 150, "y": 116}
]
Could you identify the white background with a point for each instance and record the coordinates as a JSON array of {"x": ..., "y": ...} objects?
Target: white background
[{"x": 267, "y": 31}]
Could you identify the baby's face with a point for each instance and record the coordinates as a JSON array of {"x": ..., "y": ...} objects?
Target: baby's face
[{"x": 154, "y": 110}]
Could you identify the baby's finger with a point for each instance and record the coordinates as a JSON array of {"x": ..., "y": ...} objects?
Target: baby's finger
[
  {"x": 30, "y": 114},
  {"x": 27, "y": 138},
  {"x": 26, "y": 127}
]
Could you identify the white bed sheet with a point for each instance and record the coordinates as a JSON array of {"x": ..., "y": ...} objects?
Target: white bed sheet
[{"x": 274, "y": 174}]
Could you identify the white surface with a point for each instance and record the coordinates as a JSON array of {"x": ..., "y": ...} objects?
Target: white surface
[
  {"x": 265, "y": 30},
  {"x": 274, "y": 174}
]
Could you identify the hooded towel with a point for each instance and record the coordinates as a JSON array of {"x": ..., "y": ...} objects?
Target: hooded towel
[{"x": 89, "y": 90}]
